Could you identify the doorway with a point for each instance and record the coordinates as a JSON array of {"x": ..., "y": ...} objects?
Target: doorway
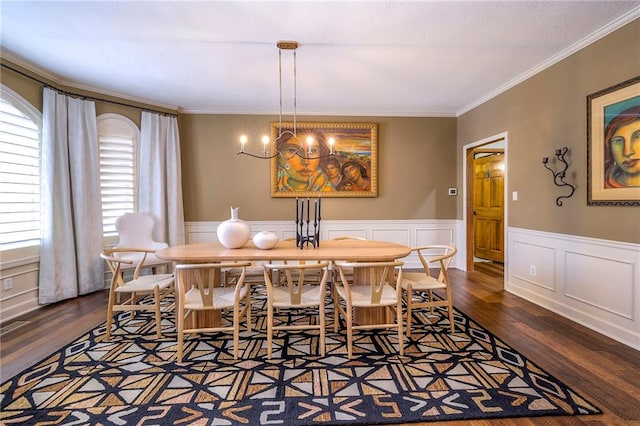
[{"x": 485, "y": 206}]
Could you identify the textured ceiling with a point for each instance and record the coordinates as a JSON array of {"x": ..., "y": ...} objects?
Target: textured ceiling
[{"x": 420, "y": 58}]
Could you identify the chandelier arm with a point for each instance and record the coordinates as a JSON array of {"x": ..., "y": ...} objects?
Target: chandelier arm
[
  {"x": 264, "y": 157},
  {"x": 277, "y": 153},
  {"x": 297, "y": 154}
]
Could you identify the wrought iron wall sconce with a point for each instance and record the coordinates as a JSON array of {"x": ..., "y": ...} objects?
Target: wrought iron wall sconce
[{"x": 559, "y": 176}]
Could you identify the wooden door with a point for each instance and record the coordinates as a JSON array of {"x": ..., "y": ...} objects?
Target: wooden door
[{"x": 488, "y": 206}]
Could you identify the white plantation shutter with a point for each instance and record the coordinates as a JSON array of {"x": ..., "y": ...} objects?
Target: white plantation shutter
[
  {"x": 118, "y": 138},
  {"x": 20, "y": 126}
]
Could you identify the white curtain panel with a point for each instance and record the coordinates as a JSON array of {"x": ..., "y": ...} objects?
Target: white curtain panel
[
  {"x": 160, "y": 185},
  {"x": 71, "y": 215}
]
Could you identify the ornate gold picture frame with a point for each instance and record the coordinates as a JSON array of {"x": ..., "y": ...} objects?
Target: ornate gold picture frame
[
  {"x": 340, "y": 161},
  {"x": 613, "y": 145}
]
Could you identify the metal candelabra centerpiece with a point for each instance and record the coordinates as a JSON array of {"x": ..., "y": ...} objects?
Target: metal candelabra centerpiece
[
  {"x": 305, "y": 234},
  {"x": 559, "y": 176}
]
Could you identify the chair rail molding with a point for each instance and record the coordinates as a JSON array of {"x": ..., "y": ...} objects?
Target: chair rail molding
[{"x": 408, "y": 232}]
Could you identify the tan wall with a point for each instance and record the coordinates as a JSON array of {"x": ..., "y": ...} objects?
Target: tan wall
[
  {"x": 416, "y": 160},
  {"x": 28, "y": 89},
  {"x": 32, "y": 92},
  {"x": 416, "y": 166},
  {"x": 546, "y": 112}
]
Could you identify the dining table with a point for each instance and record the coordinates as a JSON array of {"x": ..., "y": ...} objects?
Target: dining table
[{"x": 349, "y": 250}]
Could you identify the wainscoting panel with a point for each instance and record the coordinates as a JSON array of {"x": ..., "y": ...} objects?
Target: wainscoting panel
[
  {"x": 593, "y": 282},
  {"x": 400, "y": 236},
  {"x": 334, "y": 233},
  {"x": 435, "y": 235},
  {"x": 23, "y": 296},
  {"x": 535, "y": 264},
  {"x": 604, "y": 283}
]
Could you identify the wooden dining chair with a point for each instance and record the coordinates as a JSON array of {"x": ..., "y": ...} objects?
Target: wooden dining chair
[
  {"x": 334, "y": 272},
  {"x": 139, "y": 286},
  {"x": 253, "y": 278},
  {"x": 295, "y": 291},
  {"x": 281, "y": 279},
  {"x": 197, "y": 290},
  {"x": 348, "y": 237},
  {"x": 419, "y": 286},
  {"x": 377, "y": 286}
]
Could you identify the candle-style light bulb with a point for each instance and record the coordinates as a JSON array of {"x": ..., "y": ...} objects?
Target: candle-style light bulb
[
  {"x": 265, "y": 144},
  {"x": 243, "y": 141},
  {"x": 309, "y": 143},
  {"x": 331, "y": 142}
]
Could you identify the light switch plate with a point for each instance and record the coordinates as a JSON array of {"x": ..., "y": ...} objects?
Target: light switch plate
[
  {"x": 453, "y": 191},
  {"x": 7, "y": 283}
]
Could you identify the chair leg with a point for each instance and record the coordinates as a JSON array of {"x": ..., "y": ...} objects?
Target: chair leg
[
  {"x": 322, "y": 329},
  {"x": 248, "y": 306},
  {"x": 349, "y": 331},
  {"x": 180, "y": 319},
  {"x": 156, "y": 300},
  {"x": 236, "y": 331},
  {"x": 112, "y": 297},
  {"x": 451, "y": 319},
  {"x": 409, "y": 308},
  {"x": 400, "y": 333},
  {"x": 450, "y": 308},
  {"x": 133, "y": 310},
  {"x": 269, "y": 330},
  {"x": 336, "y": 310}
]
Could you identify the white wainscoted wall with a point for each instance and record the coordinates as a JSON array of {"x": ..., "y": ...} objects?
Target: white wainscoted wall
[
  {"x": 593, "y": 282},
  {"x": 408, "y": 232}
]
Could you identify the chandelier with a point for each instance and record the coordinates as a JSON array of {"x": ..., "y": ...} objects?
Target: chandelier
[{"x": 270, "y": 148}]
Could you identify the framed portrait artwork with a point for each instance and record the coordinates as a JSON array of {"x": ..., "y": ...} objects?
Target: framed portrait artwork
[
  {"x": 613, "y": 145},
  {"x": 324, "y": 160}
]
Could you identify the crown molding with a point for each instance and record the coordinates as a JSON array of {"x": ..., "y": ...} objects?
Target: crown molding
[
  {"x": 336, "y": 113},
  {"x": 58, "y": 80},
  {"x": 579, "y": 45}
]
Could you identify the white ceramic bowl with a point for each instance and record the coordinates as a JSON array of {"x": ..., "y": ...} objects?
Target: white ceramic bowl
[{"x": 265, "y": 240}]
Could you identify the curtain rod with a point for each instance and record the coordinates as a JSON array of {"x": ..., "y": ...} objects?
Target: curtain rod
[{"x": 84, "y": 97}]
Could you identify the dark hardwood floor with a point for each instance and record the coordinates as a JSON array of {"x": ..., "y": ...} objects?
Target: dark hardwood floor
[{"x": 600, "y": 369}]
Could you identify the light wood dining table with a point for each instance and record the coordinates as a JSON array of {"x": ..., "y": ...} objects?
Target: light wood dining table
[{"x": 331, "y": 250}]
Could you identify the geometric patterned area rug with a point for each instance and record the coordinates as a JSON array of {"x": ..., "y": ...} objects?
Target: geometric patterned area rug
[{"x": 134, "y": 379}]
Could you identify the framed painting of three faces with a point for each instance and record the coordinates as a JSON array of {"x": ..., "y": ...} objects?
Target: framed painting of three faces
[{"x": 316, "y": 159}]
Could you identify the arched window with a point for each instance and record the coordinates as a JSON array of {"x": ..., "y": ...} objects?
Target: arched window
[
  {"x": 20, "y": 136},
  {"x": 118, "y": 137}
]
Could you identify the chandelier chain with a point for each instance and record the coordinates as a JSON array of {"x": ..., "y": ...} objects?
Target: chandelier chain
[{"x": 295, "y": 95}]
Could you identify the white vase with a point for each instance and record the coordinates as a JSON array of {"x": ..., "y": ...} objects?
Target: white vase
[
  {"x": 265, "y": 240},
  {"x": 234, "y": 233}
]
